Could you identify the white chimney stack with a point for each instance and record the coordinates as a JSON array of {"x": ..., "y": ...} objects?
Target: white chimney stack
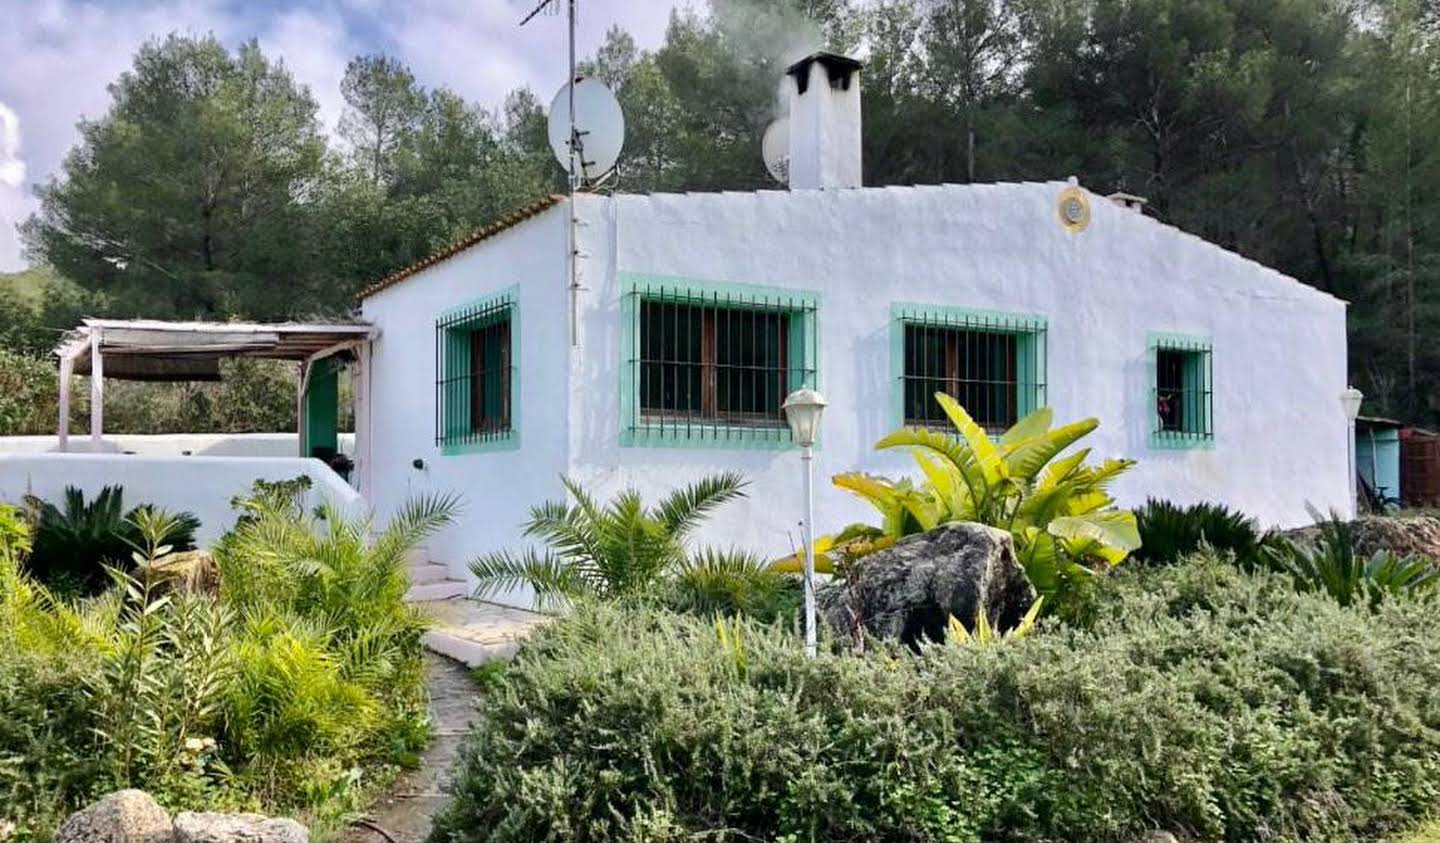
[{"x": 824, "y": 122}]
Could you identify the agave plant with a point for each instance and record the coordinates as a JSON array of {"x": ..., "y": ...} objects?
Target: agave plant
[
  {"x": 622, "y": 548},
  {"x": 1332, "y": 566},
  {"x": 1064, "y": 522}
]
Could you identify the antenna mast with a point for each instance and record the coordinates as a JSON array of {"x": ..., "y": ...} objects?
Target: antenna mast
[{"x": 576, "y": 157}]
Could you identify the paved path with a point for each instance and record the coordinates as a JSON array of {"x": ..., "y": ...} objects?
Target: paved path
[
  {"x": 407, "y": 810},
  {"x": 469, "y": 633}
]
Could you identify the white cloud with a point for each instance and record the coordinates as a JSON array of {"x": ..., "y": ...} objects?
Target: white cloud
[{"x": 12, "y": 166}]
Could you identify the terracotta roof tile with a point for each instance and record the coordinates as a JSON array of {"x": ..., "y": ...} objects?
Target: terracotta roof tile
[{"x": 508, "y": 221}]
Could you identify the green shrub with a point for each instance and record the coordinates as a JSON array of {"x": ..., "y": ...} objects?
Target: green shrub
[
  {"x": 1204, "y": 700},
  {"x": 296, "y": 689},
  {"x": 1057, "y": 509},
  {"x": 1169, "y": 532},
  {"x": 1332, "y": 566},
  {"x": 623, "y": 549},
  {"x": 73, "y": 546}
]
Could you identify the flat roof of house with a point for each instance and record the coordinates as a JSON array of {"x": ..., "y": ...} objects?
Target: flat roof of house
[{"x": 158, "y": 350}]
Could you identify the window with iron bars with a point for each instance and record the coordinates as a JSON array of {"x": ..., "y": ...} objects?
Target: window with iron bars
[
  {"x": 476, "y": 388},
  {"x": 993, "y": 364},
  {"x": 710, "y": 364},
  {"x": 1182, "y": 393}
]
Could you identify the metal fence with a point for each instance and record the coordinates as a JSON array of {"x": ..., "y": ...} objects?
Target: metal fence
[
  {"x": 992, "y": 364},
  {"x": 712, "y": 364},
  {"x": 474, "y": 371}
]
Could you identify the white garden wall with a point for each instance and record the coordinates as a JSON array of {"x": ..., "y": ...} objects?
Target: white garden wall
[
  {"x": 201, "y": 485},
  {"x": 172, "y": 444}
]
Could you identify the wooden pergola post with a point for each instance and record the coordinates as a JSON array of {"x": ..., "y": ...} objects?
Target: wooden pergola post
[
  {"x": 62, "y": 431},
  {"x": 97, "y": 388}
]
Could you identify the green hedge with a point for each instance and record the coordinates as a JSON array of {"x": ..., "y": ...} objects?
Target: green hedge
[{"x": 1203, "y": 700}]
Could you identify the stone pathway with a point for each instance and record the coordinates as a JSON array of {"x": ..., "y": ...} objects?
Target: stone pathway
[
  {"x": 406, "y": 812},
  {"x": 467, "y": 633}
]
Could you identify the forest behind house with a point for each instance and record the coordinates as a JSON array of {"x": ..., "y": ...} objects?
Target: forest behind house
[{"x": 1300, "y": 133}]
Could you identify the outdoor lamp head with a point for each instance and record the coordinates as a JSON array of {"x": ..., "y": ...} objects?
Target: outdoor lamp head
[
  {"x": 1350, "y": 399},
  {"x": 803, "y": 409}
]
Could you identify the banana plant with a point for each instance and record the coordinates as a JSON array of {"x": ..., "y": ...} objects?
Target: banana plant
[
  {"x": 985, "y": 634},
  {"x": 1063, "y": 520}
]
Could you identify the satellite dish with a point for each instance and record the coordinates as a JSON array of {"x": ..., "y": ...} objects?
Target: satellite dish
[
  {"x": 775, "y": 148},
  {"x": 599, "y": 127}
]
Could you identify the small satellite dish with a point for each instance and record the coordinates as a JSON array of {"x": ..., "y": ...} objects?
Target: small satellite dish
[
  {"x": 775, "y": 148},
  {"x": 599, "y": 128}
]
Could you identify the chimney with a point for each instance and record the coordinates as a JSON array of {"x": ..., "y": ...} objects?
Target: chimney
[
  {"x": 824, "y": 122},
  {"x": 1129, "y": 200}
]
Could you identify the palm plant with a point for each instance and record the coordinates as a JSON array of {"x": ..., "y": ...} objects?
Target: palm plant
[
  {"x": 74, "y": 545},
  {"x": 1169, "y": 532},
  {"x": 619, "y": 549},
  {"x": 1332, "y": 566},
  {"x": 1062, "y": 518}
]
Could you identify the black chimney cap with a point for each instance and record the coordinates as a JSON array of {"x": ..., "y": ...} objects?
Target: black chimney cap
[{"x": 837, "y": 67}]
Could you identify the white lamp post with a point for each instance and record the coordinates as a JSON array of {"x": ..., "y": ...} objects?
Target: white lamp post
[
  {"x": 1350, "y": 401},
  {"x": 803, "y": 409}
]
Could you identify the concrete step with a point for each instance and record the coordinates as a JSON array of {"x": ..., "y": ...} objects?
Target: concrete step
[
  {"x": 428, "y": 573},
  {"x": 419, "y": 555},
  {"x": 475, "y": 632},
  {"x": 467, "y": 652},
  {"x": 442, "y": 590}
]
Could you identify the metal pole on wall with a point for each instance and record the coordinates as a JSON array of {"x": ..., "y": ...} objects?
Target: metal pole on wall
[{"x": 807, "y": 458}]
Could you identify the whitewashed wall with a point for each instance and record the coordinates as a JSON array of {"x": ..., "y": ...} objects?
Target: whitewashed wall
[
  {"x": 498, "y": 487},
  {"x": 202, "y": 485},
  {"x": 172, "y": 444},
  {"x": 1279, "y": 346}
]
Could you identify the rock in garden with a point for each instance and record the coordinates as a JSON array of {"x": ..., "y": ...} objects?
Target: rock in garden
[
  {"x": 1417, "y": 536},
  {"x": 126, "y": 816},
  {"x": 187, "y": 572},
  {"x": 237, "y": 828},
  {"x": 909, "y": 591}
]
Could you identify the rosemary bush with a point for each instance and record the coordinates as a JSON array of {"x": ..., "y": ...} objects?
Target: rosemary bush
[{"x": 1214, "y": 703}]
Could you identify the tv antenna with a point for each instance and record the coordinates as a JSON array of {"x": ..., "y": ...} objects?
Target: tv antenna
[{"x": 553, "y": 7}]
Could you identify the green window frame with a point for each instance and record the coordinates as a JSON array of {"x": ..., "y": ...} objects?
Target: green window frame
[
  {"x": 1181, "y": 400},
  {"x": 477, "y": 375},
  {"x": 707, "y": 364},
  {"x": 994, "y": 363}
]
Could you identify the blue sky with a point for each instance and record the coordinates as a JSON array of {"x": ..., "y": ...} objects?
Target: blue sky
[{"x": 56, "y": 57}]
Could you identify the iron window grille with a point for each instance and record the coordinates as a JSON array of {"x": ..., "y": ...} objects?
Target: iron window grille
[
  {"x": 1182, "y": 391},
  {"x": 475, "y": 387},
  {"x": 993, "y": 364},
  {"x": 713, "y": 363}
]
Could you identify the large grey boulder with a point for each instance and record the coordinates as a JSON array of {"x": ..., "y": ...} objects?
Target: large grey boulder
[
  {"x": 909, "y": 591},
  {"x": 1414, "y": 535},
  {"x": 193, "y": 827},
  {"x": 125, "y": 816}
]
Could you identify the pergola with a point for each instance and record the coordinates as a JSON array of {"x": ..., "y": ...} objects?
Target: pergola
[{"x": 156, "y": 350}]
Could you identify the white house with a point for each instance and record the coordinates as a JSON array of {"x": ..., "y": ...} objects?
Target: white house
[{"x": 694, "y": 314}]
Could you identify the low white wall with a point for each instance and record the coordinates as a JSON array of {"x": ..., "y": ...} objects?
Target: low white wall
[
  {"x": 173, "y": 444},
  {"x": 201, "y": 485}
]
